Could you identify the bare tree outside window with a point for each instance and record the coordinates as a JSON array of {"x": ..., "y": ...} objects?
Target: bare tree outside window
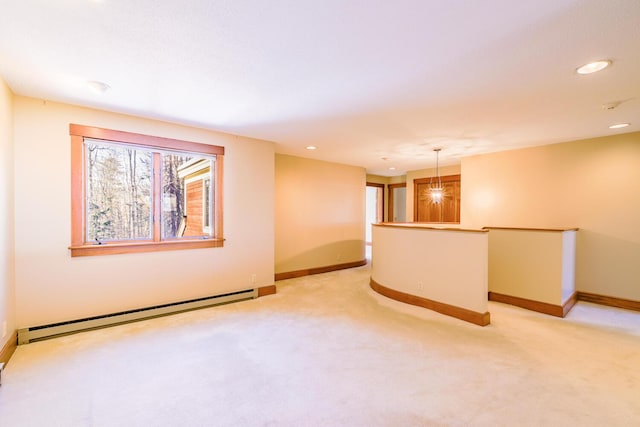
[
  {"x": 173, "y": 208},
  {"x": 140, "y": 193},
  {"x": 118, "y": 192}
]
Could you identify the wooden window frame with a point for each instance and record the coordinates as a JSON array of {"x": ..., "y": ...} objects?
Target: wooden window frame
[{"x": 79, "y": 246}]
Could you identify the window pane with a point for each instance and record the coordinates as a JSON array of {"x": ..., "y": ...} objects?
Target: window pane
[
  {"x": 186, "y": 198},
  {"x": 118, "y": 185}
]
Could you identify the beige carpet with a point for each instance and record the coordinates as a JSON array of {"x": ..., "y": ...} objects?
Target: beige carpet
[{"x": 328, "y": 351}]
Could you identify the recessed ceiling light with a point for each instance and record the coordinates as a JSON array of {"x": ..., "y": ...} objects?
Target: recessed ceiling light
[
  {"x": 98, "y": 87},
  {"x": 619, "y": 125},
  {"x": 593, "y": 67},
  {"x": 311, "y": 147},
  {"x": 392, "y": 168}
]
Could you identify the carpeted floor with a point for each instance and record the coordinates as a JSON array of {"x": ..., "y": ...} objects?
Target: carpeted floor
[{"x": 328, "y": 351}]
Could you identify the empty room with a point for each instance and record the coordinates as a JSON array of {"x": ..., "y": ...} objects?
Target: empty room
[{"x": 319, "y": 213}]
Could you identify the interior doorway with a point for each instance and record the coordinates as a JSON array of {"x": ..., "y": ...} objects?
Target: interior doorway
[
  {"x": 397, "y": 202},
  {"x": 374, "y": 207}
]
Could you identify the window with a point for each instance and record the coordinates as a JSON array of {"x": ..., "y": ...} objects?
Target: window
[{"x": 139, "y": 193}]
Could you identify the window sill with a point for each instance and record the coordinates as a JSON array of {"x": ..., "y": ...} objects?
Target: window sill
[{"x": 128, "y": 248}]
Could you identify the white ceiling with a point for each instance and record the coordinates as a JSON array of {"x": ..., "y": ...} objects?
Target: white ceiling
[{"x": 360, "y": 79}]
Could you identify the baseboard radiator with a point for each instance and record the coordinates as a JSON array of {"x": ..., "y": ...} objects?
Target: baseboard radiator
[{"x": 38, "y": 333}]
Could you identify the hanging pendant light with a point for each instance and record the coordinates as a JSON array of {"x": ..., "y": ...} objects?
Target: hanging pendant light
[{"x": 435, "y": 186}]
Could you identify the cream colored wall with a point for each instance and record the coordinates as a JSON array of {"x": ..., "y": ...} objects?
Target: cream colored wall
[
  {"x": 378, "y": 179},
  {"x": 51, "y": 286},
  {"x": 425, "y": 173},
  {"x": 320, "y": 213},
  {"x": 7, "y": 279},
  {"x": 397, "y": 179},
  {"x": 530, "y": 264},
  {"x": 569, "y": 239},
  {"x": 427, "y": 263},
  {"x": 592, "y": 184}
]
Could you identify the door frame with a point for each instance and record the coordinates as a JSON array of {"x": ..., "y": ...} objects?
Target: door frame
[
  {"x": 377, "y": 185},
  {"x": 379, "y": 207},
  {"x": 391, "y": 188}
]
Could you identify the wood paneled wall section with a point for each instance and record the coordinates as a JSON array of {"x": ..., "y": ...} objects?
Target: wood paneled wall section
[
  {"x": 194, "y": 209},
  {"x": 424, "y": 210}
]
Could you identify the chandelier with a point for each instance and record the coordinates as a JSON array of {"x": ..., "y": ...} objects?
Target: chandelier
[{"x": 435, "y": 185}]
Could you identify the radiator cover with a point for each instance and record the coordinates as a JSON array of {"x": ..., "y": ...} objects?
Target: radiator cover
[{"x": 38, "y": 333}]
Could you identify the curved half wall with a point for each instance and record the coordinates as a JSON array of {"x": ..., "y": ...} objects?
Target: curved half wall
[{"x": 442, "y": 269}]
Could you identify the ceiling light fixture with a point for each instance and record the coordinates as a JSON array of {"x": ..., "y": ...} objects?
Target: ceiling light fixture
[
  {"x": 392, "y": 168},
  {"x": 436, "y": 188},
  {"x": 98, "y": 87},
  {"x": 311, "y": 147},
  {"x": 619, "y": 125},
  {"x": 593, "y": 67}
]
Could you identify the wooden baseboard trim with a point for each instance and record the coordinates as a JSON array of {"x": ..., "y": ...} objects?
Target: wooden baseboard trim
[
  {"x": 481, "y": 319},
  {"x": 266, "y": 290},
  {"x": 9, "y": 348},
  {"x": 568, "y": 305},
  {"x": 610, "y": 301},
  {"x": 540, "y": 307},
  {"x": 318, "y": 270}
]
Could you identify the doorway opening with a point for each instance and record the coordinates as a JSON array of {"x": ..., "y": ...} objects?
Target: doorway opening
[
  {"x": 374, "y": 208},
  {"x": 397, "y": 202}
]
